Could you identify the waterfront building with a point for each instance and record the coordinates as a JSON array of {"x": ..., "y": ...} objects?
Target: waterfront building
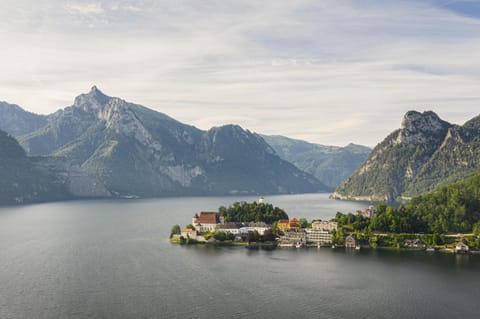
[
  {"x": 293, "y": 237},
  {"x": 350, "y": 241},
  {"x": 414, "y": 243},
  {"x": 324, "y": 225},
  {"x": 207, "y": 221},
  {"x": 318, "y": 236},
  {"x": 189, "y": 233},
  {"x": 461, "y": 248}
]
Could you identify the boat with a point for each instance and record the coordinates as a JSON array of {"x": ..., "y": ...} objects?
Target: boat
[
  {"x": 357, "y": 247},
  {"x": 430, "y": 249},
  {"x": 298, "y": 245}
]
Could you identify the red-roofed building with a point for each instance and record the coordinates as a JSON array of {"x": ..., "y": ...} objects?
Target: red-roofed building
[
  {"x": 294, "y": 223},
  {"x": 207, "y": 221}
]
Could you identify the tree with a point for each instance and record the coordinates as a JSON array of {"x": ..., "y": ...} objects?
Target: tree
[
  {"x": 247, "y": 212},
  {"x": 190, "y": 226},
  {"x": 476, "y": 228},
  {"x": 251, "y": 237},
  {"x": 175, "y": 230},
  {"x": 220, "y": 236},
  {"x": 268, "y": 235},
  {"x": 303, "y": 223}
]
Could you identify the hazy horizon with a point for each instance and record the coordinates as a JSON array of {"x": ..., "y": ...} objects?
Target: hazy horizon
[{"x": 329, "y": 72}]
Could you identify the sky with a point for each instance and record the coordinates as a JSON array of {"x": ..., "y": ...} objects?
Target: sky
[{"x": 329, "y": 72}]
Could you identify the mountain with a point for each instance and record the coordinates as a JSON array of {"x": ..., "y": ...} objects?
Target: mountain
[
  {"x": 136, "y": 151},
  {"x": 25, "y": 179},
  {"x": 21, "y": 180},
  {"x": 457, "y": 158},
  {"x": 16, "y": 121},
  {"x": 424, "y": 153},
  {"x": 329, "y": 164}
]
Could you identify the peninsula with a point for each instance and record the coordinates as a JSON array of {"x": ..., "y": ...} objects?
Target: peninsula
[{"x": 259, "y": 224}]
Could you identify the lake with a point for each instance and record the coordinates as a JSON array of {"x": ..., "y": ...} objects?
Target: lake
[{"x": 112, "y": 259}]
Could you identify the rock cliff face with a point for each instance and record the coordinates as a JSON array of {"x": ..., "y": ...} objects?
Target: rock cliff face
[
  {"x": 424, "y": 153},
  {"x": 329, "y": 164},
  {"x": 135, "y": 151}
]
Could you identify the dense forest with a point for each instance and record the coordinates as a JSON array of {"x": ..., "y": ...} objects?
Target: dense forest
[
  {"x": 247, "y": 212},
  {"x": 451, "y": 209}
]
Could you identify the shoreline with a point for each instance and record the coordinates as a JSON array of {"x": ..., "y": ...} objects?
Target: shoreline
[{"x": 272, "y": 246}]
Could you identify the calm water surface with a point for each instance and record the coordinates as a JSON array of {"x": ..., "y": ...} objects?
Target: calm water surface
[{"x": 112, "y": 259}]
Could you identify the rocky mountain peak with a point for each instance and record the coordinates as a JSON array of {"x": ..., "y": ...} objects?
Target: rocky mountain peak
[
  {"x": 92, "y": 100},
  {"x": 419, "y": 127},
  {"x": 426, "y": 121}
]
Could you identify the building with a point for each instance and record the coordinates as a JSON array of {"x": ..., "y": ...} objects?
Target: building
[
  {"x": 294, "y": 223},
  {"x": 207, "y": 221},
  {"x": 318, "y": 236},
  {"x": 350, "y": 241},
  {"x": 324, "y": 225},
  {"x": 293, "y": 237},
  {"x": 283, "y": 224},
  {"x": 414, "y": 243},
  {"x": 189, "y": 233},
  {"x": 233, "y": 228},
  {"x": 368, "y": 212},
  {"x": 461, "y": 248}
]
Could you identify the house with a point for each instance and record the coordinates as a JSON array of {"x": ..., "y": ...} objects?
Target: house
[
  {"x": 232, "y": 228},
  {"x": 461, "y": 248},
  {"x": 414, "y": 243},
  {"x": 246, "y": 229},
  {"x": 368, "y": 212},
  {"x": 207, "y": 221},
  {"x": 324, "y": 225},
  {"x": 283, "y": 224},
  {"x": 189, "y": 233},
  {"x": 294, "y": 223},
  {"x": 350, "y": 241}
]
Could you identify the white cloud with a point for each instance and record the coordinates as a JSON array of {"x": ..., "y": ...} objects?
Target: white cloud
[
  {"x": 332, "y": 72},
  {"x": 84, "y": 8}
]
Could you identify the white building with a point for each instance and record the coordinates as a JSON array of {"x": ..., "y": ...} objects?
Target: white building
[
  {"x": 324, "y": 225},
  {"x": 318, "y": 236},
  {"x": 461, "y": 248},
  {"x": 259, "y": 229}
]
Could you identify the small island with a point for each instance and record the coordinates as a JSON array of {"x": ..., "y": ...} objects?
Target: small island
[{"x": 261, "y": 225}]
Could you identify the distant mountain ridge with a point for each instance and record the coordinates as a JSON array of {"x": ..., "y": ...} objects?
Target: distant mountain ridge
[
  {"x": 329, "y": 164},
  {"x": 424, "y": 153},
  {"x": 136, "y": 151},
  {"x": 26, "y": 179},
  {"x": 16, "y": 121}
]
